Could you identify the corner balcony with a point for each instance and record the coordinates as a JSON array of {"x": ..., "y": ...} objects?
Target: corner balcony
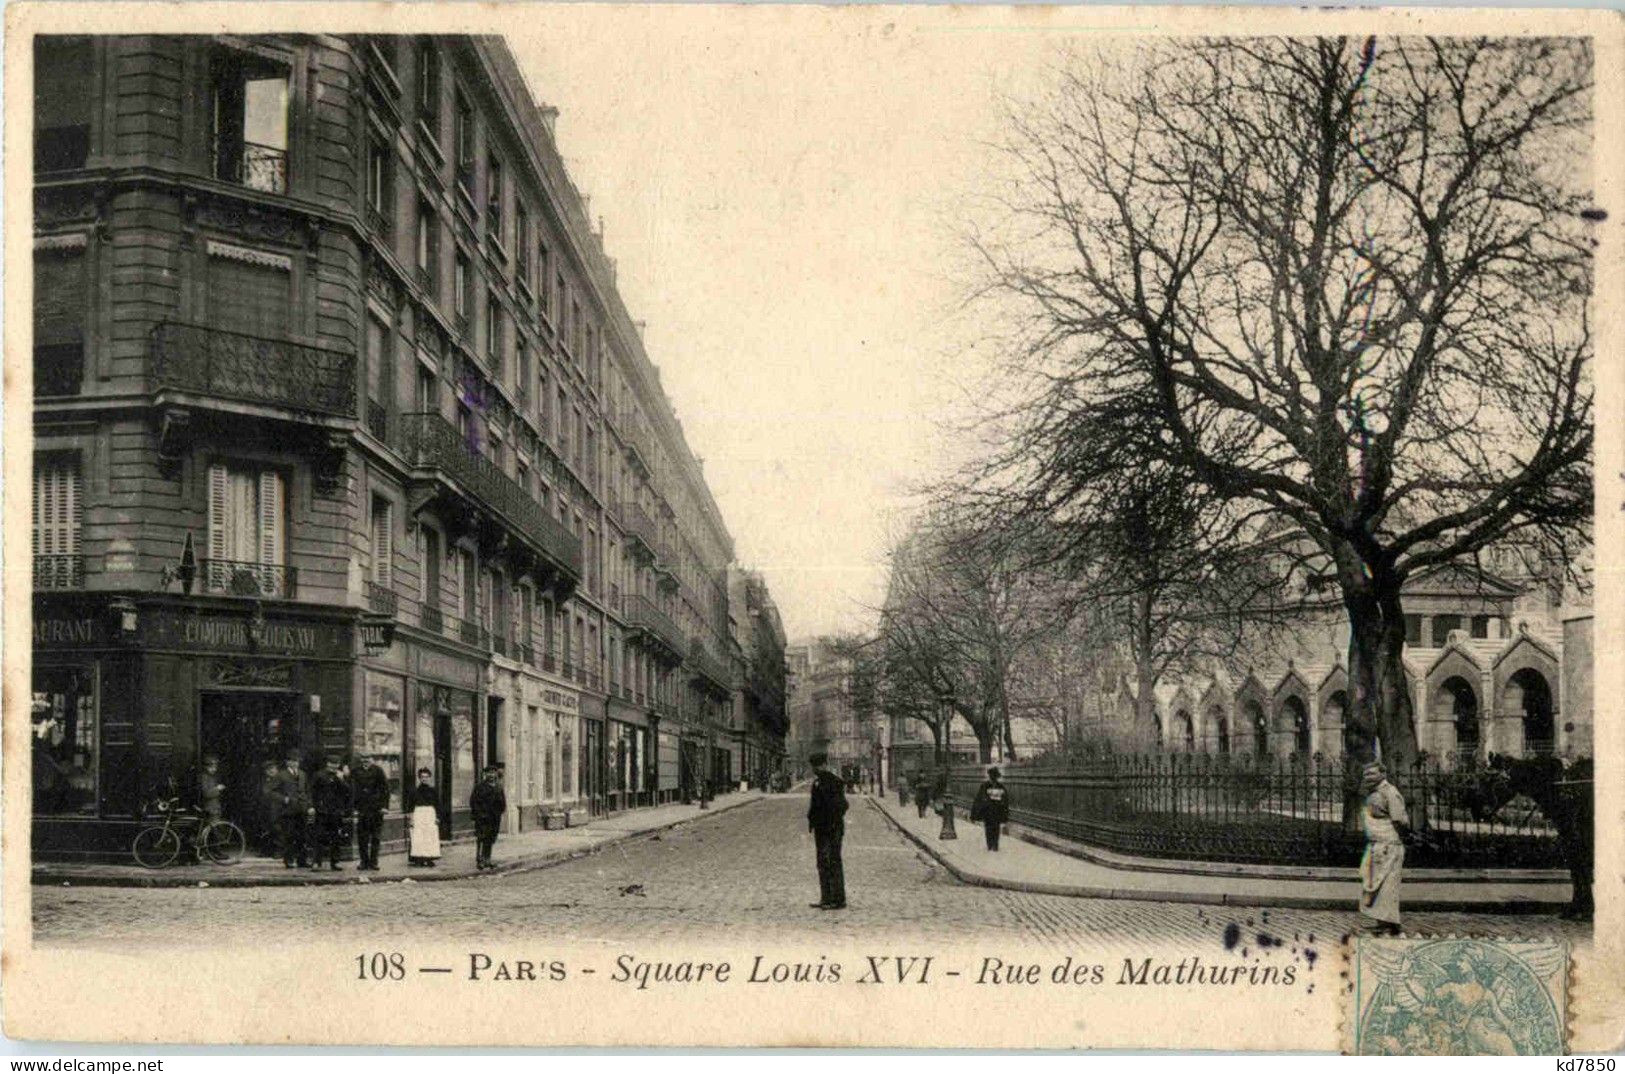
[
  {"x": 214, "y": 364},
  {"x": 637, "y": 524},
  {"x": 474, "y": 491},
  {"x": 656, "y": 625}
]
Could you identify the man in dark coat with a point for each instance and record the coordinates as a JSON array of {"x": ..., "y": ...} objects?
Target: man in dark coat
[
  {"x": 826, "y": 819},
  {"x": 487, "y": 804},
  {"x": 991, "y": 807},
  {"x": 370, "y": 788},
  {"x": 291, "y": 792},
  {"x": 330, "y": 803}
]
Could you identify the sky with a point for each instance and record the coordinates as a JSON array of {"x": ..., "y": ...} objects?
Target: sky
[{"x": 778, "y": 188}]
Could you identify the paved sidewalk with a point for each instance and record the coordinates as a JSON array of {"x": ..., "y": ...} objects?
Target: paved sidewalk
[
  {"x": 1023, "y": 865},
  {"x": 514, "y": 853}
]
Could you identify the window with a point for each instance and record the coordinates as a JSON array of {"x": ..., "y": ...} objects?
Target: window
[
  {"x": 567, "y": 755},
  {"x": 64, "y": 740},
  {"x": 463, "y": 283},
  {"x": 501, "y": 624},
  {"x": 1481, "y": 626},
  {"x": 1442, "y": 626},
  {"x": 251, "y": 122},
  {"x": 467, "y": 586},
  {"x": 61, "y": 307},
  {"x": 463, "y": 135},
  {"x": 64, "y": 72},
  {"x": 1413, "y": 630},
  {"x": 563, "y": 430},
  {"x": 521, "y": 243},
  {"x": 378, "y": 368},
  {"x": 383, "y": 542},
  {"x": 429, "y": 88},
  {"x": 428, "y": 243},
  {"x": 526, "y": 612},
  {"x": 493, "y": 198},
  {"x": 381, "y": 733},
  {"x": 522, "y": 373},
  {"x": 556, "y": 304},
  {"x": 247, "y": 533},
  {"x": 428, "y": 391},
  {"x": 429, "y": 555},
  {"x": 57, "y": 520},
  {"x": 380, "y": 192},
  {"x": 250, "y": 297},
  {"x": 493, "y": 330}
]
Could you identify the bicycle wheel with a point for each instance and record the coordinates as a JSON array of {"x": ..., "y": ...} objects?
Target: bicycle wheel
[
  {"x": 222, "y": 841},
  {"x": 156, "y": 847}
]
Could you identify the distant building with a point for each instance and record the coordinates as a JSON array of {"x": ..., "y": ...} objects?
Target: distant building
[{"x": 823, "y": 715}]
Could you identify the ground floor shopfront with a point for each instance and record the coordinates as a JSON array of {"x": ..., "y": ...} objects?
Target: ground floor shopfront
[{"x": 131, "y": 691}]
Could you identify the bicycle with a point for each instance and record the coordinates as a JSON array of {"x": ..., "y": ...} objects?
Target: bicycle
[{"x": 158, "y": 845}]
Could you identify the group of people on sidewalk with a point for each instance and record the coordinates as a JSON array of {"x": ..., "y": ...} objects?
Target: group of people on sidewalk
[
  {"x": 1386, "y": 823},
  {"x": 309, "y": 816}
]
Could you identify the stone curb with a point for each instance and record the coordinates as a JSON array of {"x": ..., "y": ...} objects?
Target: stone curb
[
  {"x": 162, "y": 879},
  {"x": 1207, "y": 898}
]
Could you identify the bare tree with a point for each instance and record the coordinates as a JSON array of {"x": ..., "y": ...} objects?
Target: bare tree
[{"x": 1342, "y": 281}]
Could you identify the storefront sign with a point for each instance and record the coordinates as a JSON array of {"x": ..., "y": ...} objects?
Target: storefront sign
[
  {"x": 377, "y": 633},
  {"x": 560, "y": 701},
  {"x": 430, "y": 664},
  {"x": 219, "y": 633},
  {"x": 77, "y": 630}
]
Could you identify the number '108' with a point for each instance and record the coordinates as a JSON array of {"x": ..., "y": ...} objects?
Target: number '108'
[{"x": 379, "y": 966}]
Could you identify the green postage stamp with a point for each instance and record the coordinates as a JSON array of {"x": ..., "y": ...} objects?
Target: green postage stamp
[{"x": 1456, "y": 995}]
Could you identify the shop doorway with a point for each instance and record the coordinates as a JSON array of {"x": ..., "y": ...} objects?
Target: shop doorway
[
  {"x": 443, "y": 768},
  {"x": 244, "y": 729},
  {"x": 493, "y": 733}
]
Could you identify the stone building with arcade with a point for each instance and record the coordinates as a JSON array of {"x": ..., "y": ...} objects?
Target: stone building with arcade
[{"x": 345, "y": 443}]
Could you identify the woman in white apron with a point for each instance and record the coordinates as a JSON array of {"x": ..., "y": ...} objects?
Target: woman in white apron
[{"x": 424, "y": 847}]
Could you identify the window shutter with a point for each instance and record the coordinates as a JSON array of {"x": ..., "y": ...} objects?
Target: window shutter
[
  {"x": 383, "y": 548},
  {"x": 57, "y": 503},
  {"x": 271, "y": 537},
  {"x": 219, "y": 513},
  {"x": 254, "y": 299}
]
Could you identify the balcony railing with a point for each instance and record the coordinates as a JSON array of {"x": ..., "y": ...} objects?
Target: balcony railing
[
  {"x": 253, "y": 369},
  {"x": 242, "y": 578},
  {"x": 381, "y": 598},
  {"x": 377, "y": 419},
  {"x": 642, "y": 614},
  {"x": 59, "y": 368},
  {"x": 64, "y": 571},
  {"x": 258, "y": 167},
  {"x": 708, "y": 664},
  {"x": 431, "y": 618},
  {"x": 640, "y": 527},
  {"x": 429, "y": 441}
]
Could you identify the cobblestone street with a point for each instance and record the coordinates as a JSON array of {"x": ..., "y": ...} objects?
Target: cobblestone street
[{"x": 744, "y": 874}]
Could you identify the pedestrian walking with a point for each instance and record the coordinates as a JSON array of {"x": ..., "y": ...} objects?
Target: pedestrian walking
[
  {"x": 293, "y": 813},
  {"x": 424, "y": 847},
  {"x": 330, "y": 806},
  {"x": 209, "y": 789},
  {"x": 1387, "y": 826},
  {"x": 265, "y": 826},
  {"x": 487, "y": 804},
  {"x": 826, "y": 819},
  {"x": 991, "y": 806},
  {"x": 922, "y": 793},
  {"x": 370, "y": 791}
]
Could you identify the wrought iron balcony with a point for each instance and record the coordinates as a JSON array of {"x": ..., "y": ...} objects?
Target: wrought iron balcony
[
  {"x": 242, "y": 578},
  {"x": 62, "y": 571},
  {"x": 641, "y": 614},
  {"x": 431, "y": 443},
  {"x": 258, "y": 167},
  {"x": 707, "y": 665},
  {"x": 430, "y": 618},
  {"x": 59, "y": 368},
  {"x": 252, "y": 369},
  {"x": 377, "y": 419},
  {"x": 381, "y": 598},
  {"x": 641, "y": 528}
]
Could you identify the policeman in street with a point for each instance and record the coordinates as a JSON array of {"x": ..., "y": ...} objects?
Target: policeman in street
[
  {"x": 488, "y": 803},
  {"x": 826, "y": 819}
]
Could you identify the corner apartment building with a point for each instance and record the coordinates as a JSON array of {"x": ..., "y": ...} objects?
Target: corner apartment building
[
  {"x": 346, "y": 443},
  {"x": 760, "y": 717}
]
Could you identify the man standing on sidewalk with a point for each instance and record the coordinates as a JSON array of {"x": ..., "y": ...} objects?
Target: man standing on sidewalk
[
  {"x": 826, "y": 819},
  {"x": 371, "y": 792},
  {"x": 1386, "y": 824},
  {"x": 487, "y": 804},
  {"x": 991, "y": 807},
  {"x": 292, "y": 794},
  {"x": 330, "y": 798}
]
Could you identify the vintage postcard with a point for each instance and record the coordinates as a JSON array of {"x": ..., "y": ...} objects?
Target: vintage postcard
[{"x": 914, "y": 526}]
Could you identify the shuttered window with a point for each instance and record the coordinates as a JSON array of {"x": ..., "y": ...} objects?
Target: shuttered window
[
  {"x": 249, "y": 298},
  {"x": 247, "y": 532},
  {"x": 383, "y": 541},
  {"x": 58, "y": 503}
]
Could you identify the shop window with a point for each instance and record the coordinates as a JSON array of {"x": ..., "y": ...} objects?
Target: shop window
[
  {"x": 57, "y": 522},
  {"x": 64, "y": 80},
  {"x": 567, "y": 760},
  {"x": 381, "y": 735},
  {"x": 251, "y": 122},
  {"x": 533, "y": 718},
  {"x": 64, "y": 741},
  {"x": 247, "y": 533}
]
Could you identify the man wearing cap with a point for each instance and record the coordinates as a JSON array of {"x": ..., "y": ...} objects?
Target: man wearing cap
[
  {"x": 1386, "y": 825},
  {"x": 487, "y": 804},
  {"x": 992, "y": 807},
  {"x": 826, "y": 819}
]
